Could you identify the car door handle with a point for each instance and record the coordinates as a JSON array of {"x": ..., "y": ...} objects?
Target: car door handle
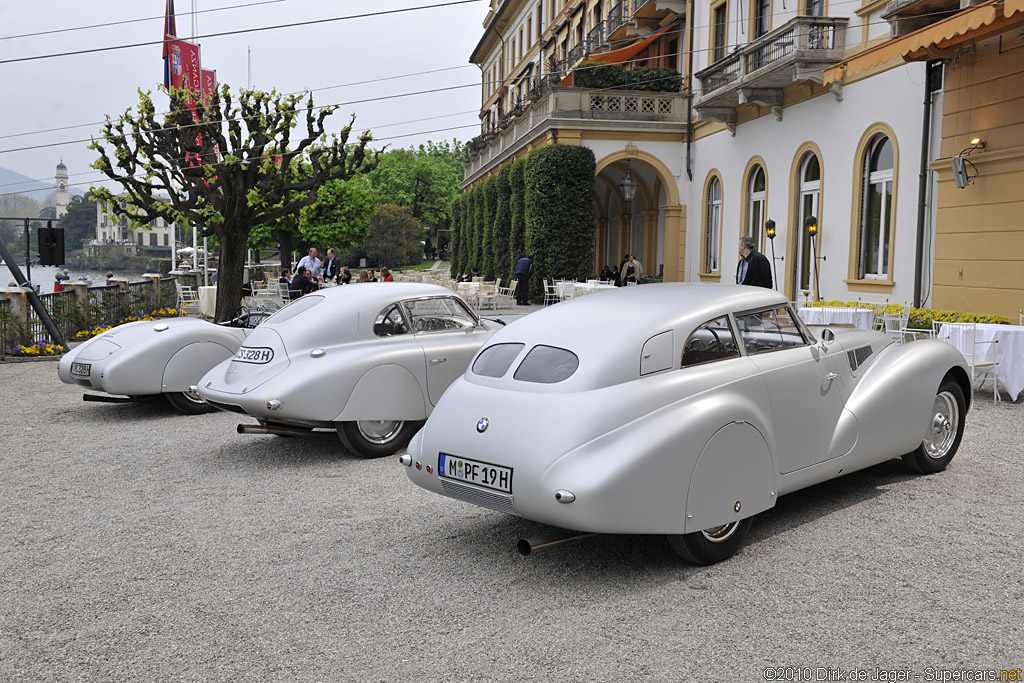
[
  {"x": 435, "y": 361},
  {"x": 831, "y": 376}
]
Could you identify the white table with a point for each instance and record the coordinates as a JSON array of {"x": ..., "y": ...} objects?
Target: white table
[
  {"x": 590, "y": 287},
  {"x": 861, "y": 318},
  {"x": 1009, "y": 350},
  {"x": 207, "y": 301}
]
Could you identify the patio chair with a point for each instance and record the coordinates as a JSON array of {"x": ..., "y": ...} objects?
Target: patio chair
[
  {"x": 488, "y": 292},
  {"x": 550, "y": 293},
  {"x": 982, "y": 356},
  {"x": 187, "y": 297},
  {"x": 506, "y": 295},
  {"x": 894, "y": 324}
]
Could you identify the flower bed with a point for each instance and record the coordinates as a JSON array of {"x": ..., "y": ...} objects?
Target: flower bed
[
  {"x": 90, "y": 332},
  {"x": 36, "y": 350}
]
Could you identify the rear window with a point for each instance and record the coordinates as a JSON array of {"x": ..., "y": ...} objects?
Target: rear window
[
  {"x": 297, "y": 307},
  {"x": 547, "y": 365},
  {"x": 494, "y": 361}
]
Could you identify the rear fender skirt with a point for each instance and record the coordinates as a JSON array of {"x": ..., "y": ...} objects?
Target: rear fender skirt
[
  {"x": 188, "y": 365},
  {"x": 385, "y": 392}
]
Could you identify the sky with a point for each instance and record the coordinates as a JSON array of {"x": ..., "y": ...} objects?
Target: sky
[{"x": 58, "y": 92}]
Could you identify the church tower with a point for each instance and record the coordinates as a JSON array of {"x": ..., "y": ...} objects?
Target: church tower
[{"x": 62, "y": 189}]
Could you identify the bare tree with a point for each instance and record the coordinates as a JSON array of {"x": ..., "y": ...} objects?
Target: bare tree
[{"x": 250, "y": 185}]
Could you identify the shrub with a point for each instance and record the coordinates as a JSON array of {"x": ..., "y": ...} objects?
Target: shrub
[
  {"x": 517, "y": 230},
  {"x": 598, "y": 76},
  {"x": 487, "y": 241},
  {"x": 559, "y": 184},
  {"x": 920, "y": 318},
  {"x": 500, "y": 254}
]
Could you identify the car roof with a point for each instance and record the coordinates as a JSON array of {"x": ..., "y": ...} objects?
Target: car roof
[
  {"x": 373, "y": 296},
  {"x": 608, "y": 329}
]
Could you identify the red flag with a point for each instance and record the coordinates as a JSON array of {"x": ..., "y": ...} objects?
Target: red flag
[{"x": 209, "y": 85}]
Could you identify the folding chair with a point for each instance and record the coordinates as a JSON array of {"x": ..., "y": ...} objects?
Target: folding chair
[{"x": 982, "y": 356}]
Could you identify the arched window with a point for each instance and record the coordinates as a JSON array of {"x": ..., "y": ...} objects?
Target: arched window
[
  {"x": 756, "y": 186},
  {"x": 875, "y": 215},
  {"x": 712, "y": 225},
  {"x": 809, "y": 194}
]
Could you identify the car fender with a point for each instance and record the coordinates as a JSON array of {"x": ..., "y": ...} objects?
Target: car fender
[
  {"x": 893, "y": 399},
  {"x": 636, "y": 479},
  {"x": 732, "y": 480},
  {"x": 386, "y": 392},
  {"x": 186, "y": 367}
]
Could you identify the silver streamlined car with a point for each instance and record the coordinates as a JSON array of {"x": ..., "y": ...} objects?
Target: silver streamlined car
[
  {"x": 368, "y": 360},
  {"x": 148, "y": 359},
  {"x": 681, "y": 409}
]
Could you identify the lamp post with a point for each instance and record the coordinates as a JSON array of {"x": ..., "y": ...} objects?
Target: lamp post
[
  {"x": 769, "y": 230},
  {"x": 811, "y": 225},
  {"x": 628, "y": 187}
]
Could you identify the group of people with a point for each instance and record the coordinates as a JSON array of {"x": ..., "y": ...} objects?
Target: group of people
[
  {"x": 311, "y": 273},
  {"x": 629, "y": 271}
]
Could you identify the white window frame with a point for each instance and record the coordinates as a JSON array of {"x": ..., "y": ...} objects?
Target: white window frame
[
  {"x": 713, "y": 235},
  {"x": 881, "y": 179}
]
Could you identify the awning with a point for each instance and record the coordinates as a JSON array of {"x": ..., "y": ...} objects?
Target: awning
[
  {"x": 623, "y": 54},
  {"x": 971, "y": 24}
]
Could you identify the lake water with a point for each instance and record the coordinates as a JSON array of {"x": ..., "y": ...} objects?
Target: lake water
[{"x": 44, "y": 276}]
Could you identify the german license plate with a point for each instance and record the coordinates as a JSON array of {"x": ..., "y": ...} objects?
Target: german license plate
[
  {"x": 81, "y": 369},
  {"x": 483, "y": 474},
  {"x": 258, "y": 355}
]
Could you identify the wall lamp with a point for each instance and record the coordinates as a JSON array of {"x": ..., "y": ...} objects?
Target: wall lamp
[
  {"x": 960, "y": 162},
  {"x": 811, "y": 225}
]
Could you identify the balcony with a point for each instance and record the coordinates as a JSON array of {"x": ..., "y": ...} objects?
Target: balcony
[
  {"x": 625, "y": 110},
  {"x": 756, "y": 73}
]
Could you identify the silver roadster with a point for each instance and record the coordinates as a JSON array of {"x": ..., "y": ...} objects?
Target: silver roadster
[
  {"x": 681, "y": 409},
  {"x": 368, "y": 361},
  {"x": 149, "y": 359}
]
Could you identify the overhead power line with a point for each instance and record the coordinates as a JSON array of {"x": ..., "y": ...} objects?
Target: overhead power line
[{"x": 244, "y": 30}]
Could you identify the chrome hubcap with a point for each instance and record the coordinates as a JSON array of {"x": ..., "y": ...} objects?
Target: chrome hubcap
[
  {"x": 379, "y": 431},
  {"x": 719, "y": 534},
  {"x": 944, "y": 426}
]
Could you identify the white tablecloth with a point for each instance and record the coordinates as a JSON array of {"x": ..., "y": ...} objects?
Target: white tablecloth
[
  {"x": 861, "y": 318},
  {"x": 569, "y": 289},
  {"x": 1009, "y": 350},
  {"x": 207, "y": 301}
]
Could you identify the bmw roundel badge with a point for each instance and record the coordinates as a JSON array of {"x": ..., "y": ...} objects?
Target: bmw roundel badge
[{"x": 482, "y": 424}]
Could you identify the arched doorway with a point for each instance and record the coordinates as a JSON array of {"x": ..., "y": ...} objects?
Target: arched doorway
[{"x": 651, "y": 227}]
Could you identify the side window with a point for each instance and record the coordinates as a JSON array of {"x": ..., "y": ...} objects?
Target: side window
[
  {"x": 711, "y": 341},
  {"x": 770, "y": 330},
  {"x": 390, "y": 322},
  {"x": 439, "y": 313}
]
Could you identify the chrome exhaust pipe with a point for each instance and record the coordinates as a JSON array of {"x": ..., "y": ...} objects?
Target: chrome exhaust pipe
[
  {"x": 280, "y": 430},
  {"x": 536, "y": 544}
]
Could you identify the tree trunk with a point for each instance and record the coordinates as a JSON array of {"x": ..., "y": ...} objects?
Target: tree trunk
[
  {"x": 286, "y": 249},
  {"x": 230, "y": 275}
]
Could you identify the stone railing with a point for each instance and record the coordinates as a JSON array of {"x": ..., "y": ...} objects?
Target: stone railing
[{"x": 584, "y": 105}]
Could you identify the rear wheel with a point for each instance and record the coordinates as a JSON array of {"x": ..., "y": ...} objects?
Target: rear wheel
[
  {"x": 377, "y": 438},
  {"x": 188, "y": 403},
  {"x": 945, "y": 430},
  {"x": 712, "y": 545}
]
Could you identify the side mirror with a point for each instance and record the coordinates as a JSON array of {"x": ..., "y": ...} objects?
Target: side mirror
[{"x": 827, "y": 337}]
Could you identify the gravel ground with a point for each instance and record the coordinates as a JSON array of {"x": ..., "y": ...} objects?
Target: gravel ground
[{"x": 137, "y": 544}]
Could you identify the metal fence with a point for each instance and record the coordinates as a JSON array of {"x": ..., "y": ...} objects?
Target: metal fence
[
  {"x": 107, "y": 305},
  {"x": 62, "y": 310}
]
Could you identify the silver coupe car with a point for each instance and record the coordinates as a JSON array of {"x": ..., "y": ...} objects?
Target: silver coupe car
[
  {"x": 149, "y": 359},
  {"x": 681, "y": 409},
  {"x": 368, "y": 361}
]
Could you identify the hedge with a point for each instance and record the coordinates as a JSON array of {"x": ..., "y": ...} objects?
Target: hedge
[
  {"x": 500, "y": 254},
  {"x": 559, "y": 183},
  {"x": 476, "y": 252},
  {"x": 487, "y": 241},
  {"x": 921, "y": 318},
  {"x": 517, "y": 230},
  {"x": 456, "y": 240},
  {"x": 468, "y": 221},
  {"x": 598, "y": 76}
]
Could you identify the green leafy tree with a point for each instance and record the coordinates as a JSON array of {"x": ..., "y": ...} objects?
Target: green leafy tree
[
  {"x": 455, "y": 267},
  {"x": 490, "y": 214},
  {"x": 423, "y": 181},
  {"x": 560, "y": 213},
  {"x": 517, "y": 231},
  {"x": 253, "y": 184},
  {"x": 340, "y": 218},
  {"x": 468, "y": 222},
  {"x": 394, "y": 237},
  {"x": 502, "y": 225},
  {"x": 79, "y": 222}
]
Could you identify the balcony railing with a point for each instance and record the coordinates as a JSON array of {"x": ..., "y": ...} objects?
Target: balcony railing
[
  {"x": 797, "y": 51},
  {"x": 580, "y": 105}
]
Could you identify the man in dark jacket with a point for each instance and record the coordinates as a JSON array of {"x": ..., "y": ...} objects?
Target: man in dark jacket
[
  {"x": 331, "y": 266},
  {"x": 301, "y": 284},
  {"x": 524, "y": 267},
  {"x": 753, "y": 268}
]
